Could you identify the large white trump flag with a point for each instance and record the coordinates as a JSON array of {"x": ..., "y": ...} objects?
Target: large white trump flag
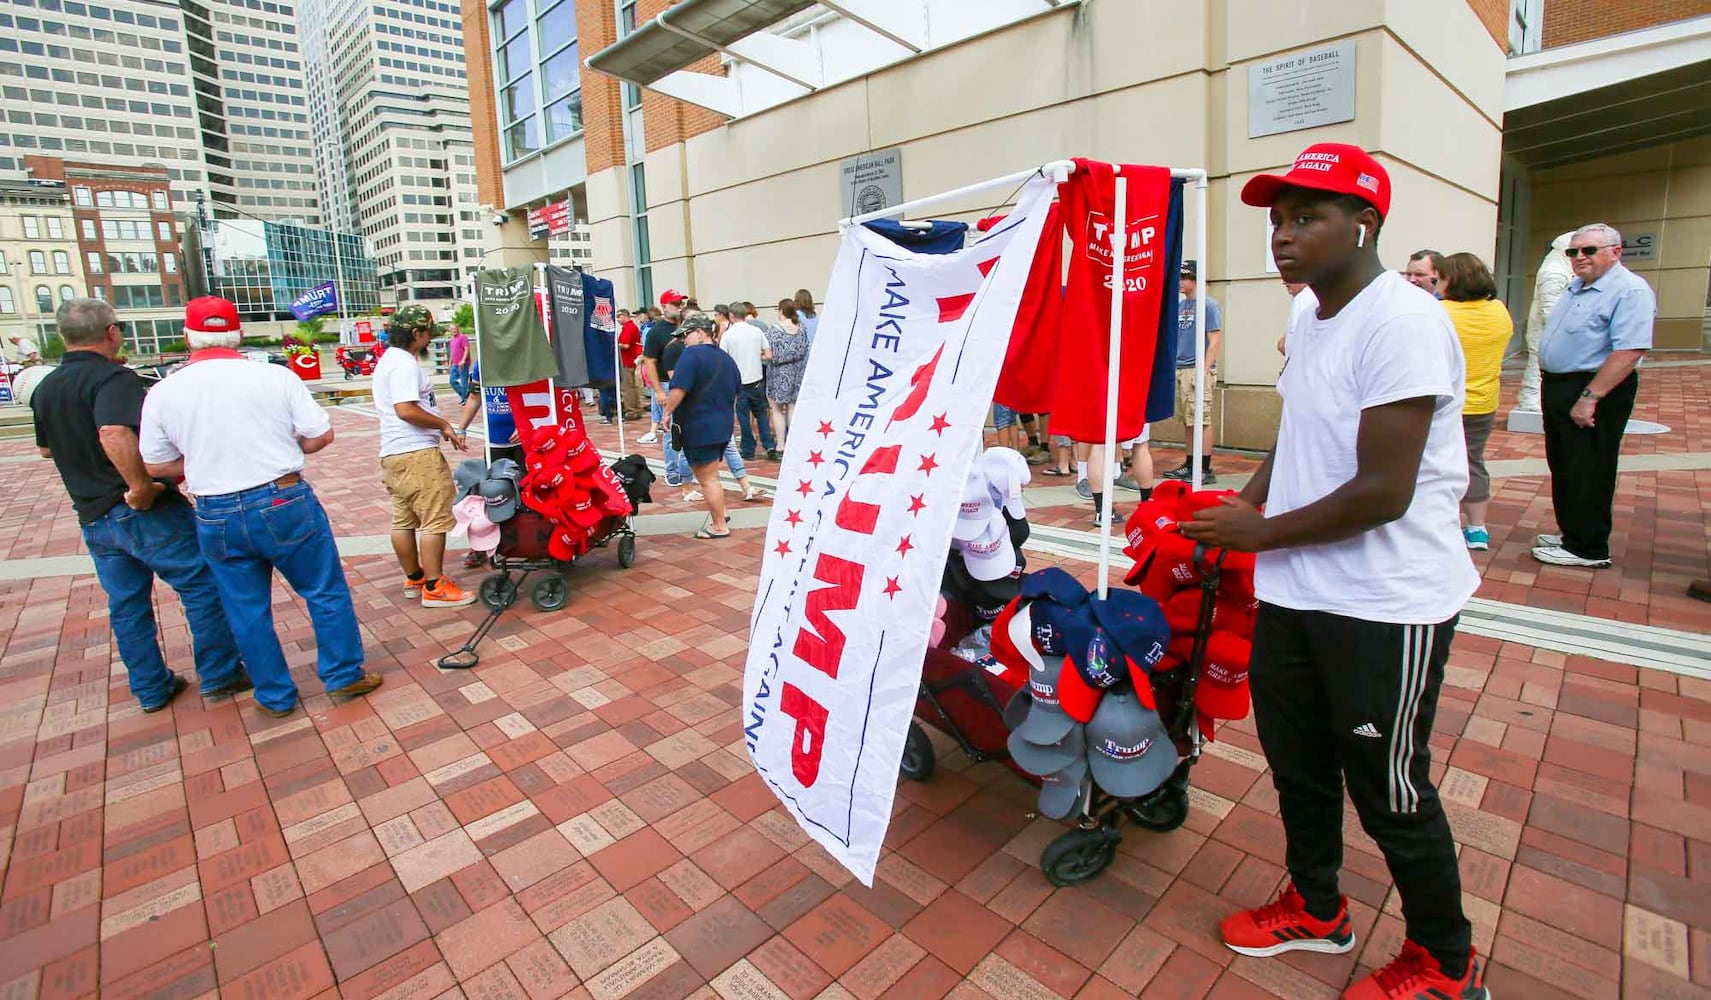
[{"x": 888, "y": 421}]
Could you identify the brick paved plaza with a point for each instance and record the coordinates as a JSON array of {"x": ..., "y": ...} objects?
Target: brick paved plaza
[{"x": 577, "y": 818}]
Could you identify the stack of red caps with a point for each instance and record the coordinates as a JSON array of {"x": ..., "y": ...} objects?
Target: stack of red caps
[
  {"x": 1166, "y": 569},
  {"x": 567, "y": 484}
]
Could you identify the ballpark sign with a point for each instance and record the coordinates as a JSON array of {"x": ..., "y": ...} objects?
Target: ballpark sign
[{"x": 887, "y": 424}]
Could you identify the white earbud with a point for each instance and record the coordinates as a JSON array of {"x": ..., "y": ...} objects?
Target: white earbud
[{"x": 1362, "y": 241}]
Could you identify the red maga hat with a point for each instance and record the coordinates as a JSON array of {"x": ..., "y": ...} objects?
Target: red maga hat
[{"x": 1326, "y": 166}]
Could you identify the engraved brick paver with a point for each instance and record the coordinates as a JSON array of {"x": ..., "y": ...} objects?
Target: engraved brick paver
[{"x": 577, "y": 816}]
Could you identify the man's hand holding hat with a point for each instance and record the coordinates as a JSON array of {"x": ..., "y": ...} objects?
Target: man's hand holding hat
[{"x": 1233, "y": 524}]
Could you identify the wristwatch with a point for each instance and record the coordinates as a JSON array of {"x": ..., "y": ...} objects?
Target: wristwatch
[{"x": 1589, "y": 394}]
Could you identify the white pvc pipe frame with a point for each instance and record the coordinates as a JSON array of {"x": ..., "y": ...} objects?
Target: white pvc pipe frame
[
  {"x": 1058, "y": 171},
  {"x": 545, "y": 292}
]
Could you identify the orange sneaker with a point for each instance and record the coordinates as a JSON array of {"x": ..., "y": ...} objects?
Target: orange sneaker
[
  {"x": 1415, "y": 975},
  {"x": 1285, "y": 925},
  {"x": 446, "y": 594},
  {"x": 413, "y": 588}
]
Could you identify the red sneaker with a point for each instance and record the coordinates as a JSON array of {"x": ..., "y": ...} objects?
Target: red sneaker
[
  {"x": 1287, "y": 926},
  {"x": 1415, "y": 975}
]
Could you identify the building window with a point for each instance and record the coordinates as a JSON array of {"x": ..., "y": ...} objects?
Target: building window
[
  {"x": 56, "y": 228},
  {"x": 61, "y": 262},
  {"x": 104, "y": 199},
  {"x": 89, "y": 229},
  {"x": 82, "y": 197},
  {"x": 159, "y": 198},
  {"x": 38, "y": 262},
  {"x": 169, "y": 263},
  {"x": 1526, "y": 26},
  {"x": 165, "y": 231},
  {"x": 514, "y": 65},
  {"x": 44, "y": 299},
  {"x": 67, "y": 293},
  {"x": 7, "y": 303},
  {"x": 32, "y": 227},
  {"x": 561, "y": 87},
  {"x": 92, "y": 263}
]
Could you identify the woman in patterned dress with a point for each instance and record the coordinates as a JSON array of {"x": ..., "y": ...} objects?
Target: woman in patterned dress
[{"x": 787, "y": 345}]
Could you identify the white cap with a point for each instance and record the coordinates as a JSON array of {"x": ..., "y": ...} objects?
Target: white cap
[
  {"x": 1006, "y": 473},
  {"x": 989, "y": 555},
  {"x": 977, "y": 510}
]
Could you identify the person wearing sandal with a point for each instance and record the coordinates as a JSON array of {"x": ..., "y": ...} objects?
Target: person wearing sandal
[{"x": 698, "y": 410}]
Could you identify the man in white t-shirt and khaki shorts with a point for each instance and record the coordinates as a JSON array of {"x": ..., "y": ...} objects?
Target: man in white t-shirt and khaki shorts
[
  {"x": 1362, "y": 573},
  {"x": 411, "y": 466}
]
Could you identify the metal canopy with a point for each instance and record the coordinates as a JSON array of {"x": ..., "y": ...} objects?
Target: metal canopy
[
  {"x": 687, "y": 33},
  {"x": 1609, "y": 95},
  {"x": 657, "y": 53},
  {"x": 1635, "y": 114}
]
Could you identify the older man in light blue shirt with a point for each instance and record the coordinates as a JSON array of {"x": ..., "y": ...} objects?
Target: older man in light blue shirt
[{"x": 1593, "y": 342}]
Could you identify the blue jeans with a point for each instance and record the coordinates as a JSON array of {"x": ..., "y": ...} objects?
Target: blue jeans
[
  {"x": 751, "y": 401},
  {"x": 245, "y": 536},
  {"x": 676, "y": 466},
  {"x": 608, "y": 401},
  {"x": 130, "y": 549},
  {"x": 734, "y": 461},
  {"x": 655, "y": 406},
  {"x": 460, "y": 384}
]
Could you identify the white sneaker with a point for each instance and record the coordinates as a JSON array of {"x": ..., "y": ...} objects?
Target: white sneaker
[
  {"x": 1556, "y": 555},
  {"x": 651, "y": 437},
  {"x": 1548, "y": 541}
]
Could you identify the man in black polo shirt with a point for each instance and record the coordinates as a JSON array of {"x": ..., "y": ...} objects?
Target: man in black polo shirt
[
  {"x": 661, "y": 346},
  {"x": 135, "y": 527}
]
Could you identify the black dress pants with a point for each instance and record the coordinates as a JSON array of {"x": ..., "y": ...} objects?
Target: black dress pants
[{"x": 1583, "y": 459}]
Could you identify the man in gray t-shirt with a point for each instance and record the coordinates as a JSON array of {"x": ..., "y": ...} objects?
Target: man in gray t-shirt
[{"x": 1185, "y": 375}]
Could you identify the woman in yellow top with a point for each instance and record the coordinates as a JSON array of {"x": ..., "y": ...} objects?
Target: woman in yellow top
[{"x": 1484, "y": 326}]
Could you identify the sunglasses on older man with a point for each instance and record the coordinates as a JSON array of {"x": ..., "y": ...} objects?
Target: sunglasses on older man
[{"x": 1589, "y": 251}]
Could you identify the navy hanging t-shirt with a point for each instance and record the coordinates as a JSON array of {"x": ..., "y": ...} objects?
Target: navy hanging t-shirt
[{"x": 599, "y": 330}]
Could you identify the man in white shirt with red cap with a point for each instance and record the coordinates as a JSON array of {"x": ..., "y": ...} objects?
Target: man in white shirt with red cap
[{"x": 237, "y": 432}]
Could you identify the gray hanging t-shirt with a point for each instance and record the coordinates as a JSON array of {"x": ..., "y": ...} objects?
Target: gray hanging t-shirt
[{"x": 514, "y": 347}]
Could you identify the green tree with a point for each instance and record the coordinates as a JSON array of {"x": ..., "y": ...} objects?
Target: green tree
[
  {"x": 464, "y": 317},
  {"x": 310, "y": 330}
]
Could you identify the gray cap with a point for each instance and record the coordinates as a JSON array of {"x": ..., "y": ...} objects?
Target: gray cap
[
  {"x": 468, "y": 476},
  {"x": 501, "y": 497},
  {"x": 505, "y": 468},
  {"x": 1046, "y": 723},
  {"x": 1062, "y": 792},
  {"x": 1035, "y": 758},
  {"x": 1128, "y": 749},
  {"x": 1016, "y": 712}
]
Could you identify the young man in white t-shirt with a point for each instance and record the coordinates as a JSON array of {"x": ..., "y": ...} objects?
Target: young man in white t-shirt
[
  {"x": 411, "y": 465},
  {"x": 1362, "y": 573},
  {"x": 745, "y": 342}
]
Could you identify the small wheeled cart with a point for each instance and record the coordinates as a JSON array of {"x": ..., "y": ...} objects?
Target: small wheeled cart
[
  {"x": 967, "y": 701},
  {"x": 523, "y": 553}
]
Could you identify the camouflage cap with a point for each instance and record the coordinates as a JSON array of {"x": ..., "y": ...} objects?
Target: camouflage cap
[
  {"x": 700, "y": 321},
  {"x": 412, "y": 318}
]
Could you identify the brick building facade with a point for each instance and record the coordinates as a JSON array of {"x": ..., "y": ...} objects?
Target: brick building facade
[
  {"x": 1571, "y": 21},
  {"x": 127, "y": 240}
]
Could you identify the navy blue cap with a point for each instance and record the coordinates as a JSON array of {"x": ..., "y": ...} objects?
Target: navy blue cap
[
  {"x": 1133, "y": 623},
  {"x": 1055, "y": 585}
]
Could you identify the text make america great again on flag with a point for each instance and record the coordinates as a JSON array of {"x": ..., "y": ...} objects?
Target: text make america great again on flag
[{"x": 888, "y": 421}]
